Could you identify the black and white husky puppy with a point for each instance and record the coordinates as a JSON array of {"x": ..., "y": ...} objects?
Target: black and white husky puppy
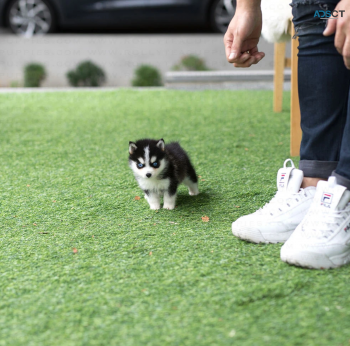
[{"x": 159, "y": 169}]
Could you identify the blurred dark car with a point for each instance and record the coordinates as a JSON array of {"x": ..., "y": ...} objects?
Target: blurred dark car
[{"x": 34, "y": 17}]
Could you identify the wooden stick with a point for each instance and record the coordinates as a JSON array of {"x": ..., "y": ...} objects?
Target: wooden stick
[
  {"x": 295, "y": 130},
  {"x": 279, "y": 63}
]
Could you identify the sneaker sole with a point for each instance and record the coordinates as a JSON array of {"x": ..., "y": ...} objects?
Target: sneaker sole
[
  {"x": 253, "y": 235},
  {"x": 314, "y": 260}
]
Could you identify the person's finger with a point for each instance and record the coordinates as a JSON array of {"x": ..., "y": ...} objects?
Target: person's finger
[
  {"x": 245, "y": 56},
  {"x": 252, "y": 60},
  {"x": 346, "y": 53},
  {"x": 255, "y": 59},
  {"x": 228, "y": 39},
  {"x": 242, "y": 59},
  {"x": 330, "y": 29},
  {"x": 254, "y": 50},
  {"x": 259, "y": 55},
  {"x": 236, "y": 48},
  {"x": 339, "y": 39}
]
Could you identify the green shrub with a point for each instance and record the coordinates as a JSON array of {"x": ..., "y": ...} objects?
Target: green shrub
[
  {"x": 146, "y": 75},
  {"x": 87, "y": 74},
  {"x": 15, "y": 84},
  {"x": 34, "y": 74},
  {"x": 191, "y": 63}
]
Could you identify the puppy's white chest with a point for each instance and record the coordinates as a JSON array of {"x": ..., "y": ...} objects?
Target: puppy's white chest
[{"x": 153, "y": 185}]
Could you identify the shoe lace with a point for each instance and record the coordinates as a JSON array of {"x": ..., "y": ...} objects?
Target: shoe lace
[
  {"x": 321, "y": 222},
  {"x": 282, "y": 201}
]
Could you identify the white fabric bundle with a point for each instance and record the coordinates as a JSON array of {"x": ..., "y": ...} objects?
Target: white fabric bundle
[{"x": 276, "y": 16}]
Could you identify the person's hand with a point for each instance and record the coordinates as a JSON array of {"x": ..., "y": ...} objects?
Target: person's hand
[
  {"x": 341, "y": 28},
  {"x": 242, "y": 37}
]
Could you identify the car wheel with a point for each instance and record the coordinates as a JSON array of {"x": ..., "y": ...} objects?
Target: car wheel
[
  {"x": 30, "y": 17},
  {"x": 221, "y": 14}
]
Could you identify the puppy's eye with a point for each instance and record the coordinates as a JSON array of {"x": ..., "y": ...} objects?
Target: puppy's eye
[
  {"x": 140, "y": 165},
  {"x": 155, "y": 164}
]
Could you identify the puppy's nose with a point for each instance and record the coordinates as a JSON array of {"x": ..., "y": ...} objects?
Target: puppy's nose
[{"x": 148, "y": 175}]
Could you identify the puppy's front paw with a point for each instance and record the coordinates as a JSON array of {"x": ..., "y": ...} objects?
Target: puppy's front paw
[
  {"x": 193, "y": 193},
  {"x": 169, "y": 206},
  {"x": 154, "y": 206}
]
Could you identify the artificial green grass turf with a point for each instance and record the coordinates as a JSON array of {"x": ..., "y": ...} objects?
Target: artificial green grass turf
[{"x": 142, "y": 277}]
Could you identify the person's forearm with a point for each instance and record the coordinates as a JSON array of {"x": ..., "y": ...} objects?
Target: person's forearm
[{"x": 248, "y": 4}]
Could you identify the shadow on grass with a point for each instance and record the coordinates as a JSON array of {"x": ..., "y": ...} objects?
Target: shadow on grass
[{"x": 202, "y": 199}]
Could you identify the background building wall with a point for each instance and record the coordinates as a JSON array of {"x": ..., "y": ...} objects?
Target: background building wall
[{"x": 117, "y": 54}]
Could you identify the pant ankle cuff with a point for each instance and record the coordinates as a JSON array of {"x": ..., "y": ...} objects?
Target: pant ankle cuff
[
  {"x": 317, "y": 169},
  {"x": 341, "y": 180}
]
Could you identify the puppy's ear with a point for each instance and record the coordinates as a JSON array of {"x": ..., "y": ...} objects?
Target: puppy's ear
[
  {"x": 132, "y": 147},
  {"x": 161, "y": 144}
]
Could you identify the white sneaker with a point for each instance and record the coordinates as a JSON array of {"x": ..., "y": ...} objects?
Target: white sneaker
[
  {"x": 275, "y": 222},
  {"x": 322, "y": 240}
]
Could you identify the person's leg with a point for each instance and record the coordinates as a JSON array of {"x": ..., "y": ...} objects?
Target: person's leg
[
  {"x": 307, "y": 182},
  {"x": 342, "y": 173},
  {"x": 323, "y": 89},
  {"x": 323, "y": 93},
  {"x": 322, "y": 239}
]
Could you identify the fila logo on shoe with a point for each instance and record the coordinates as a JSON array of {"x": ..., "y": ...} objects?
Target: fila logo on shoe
[
  {"x": 347, "y": 228},
  {"x": 326, "y": 199},
  {"x": 282, "y": 180}
]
